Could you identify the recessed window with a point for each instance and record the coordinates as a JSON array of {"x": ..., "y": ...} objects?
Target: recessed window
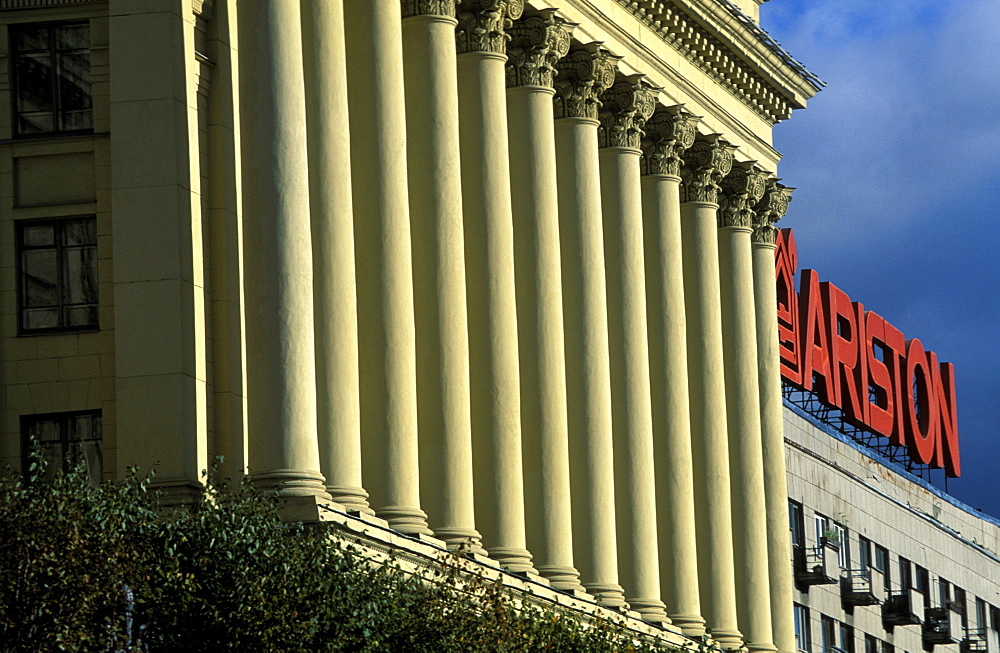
[
  {"x": 57, "y": 270},
  {"x": 51, "y": 73},
  {"x": 802, "y": 638},
  {"x": 65, "y": 440}
]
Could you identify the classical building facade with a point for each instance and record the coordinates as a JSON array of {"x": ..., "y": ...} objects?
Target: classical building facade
[{"x": 491, "y": 274}]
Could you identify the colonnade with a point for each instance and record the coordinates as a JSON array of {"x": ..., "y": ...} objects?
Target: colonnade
[{"x": 501, "y": 294}]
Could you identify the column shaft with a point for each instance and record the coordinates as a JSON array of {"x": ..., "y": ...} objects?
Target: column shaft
[
  {"x": 746, "y": 459},
  {"x": 779, "y": 546},
  {"x": 626, "y": 106},
  {"x": 387, "y": 348},
  {"x": 281, "y": 372},
  {"x": 536, "y": 43},
  {"x": 489, "y": 253},
  {"x": 675, "y": 506},
  {"x": 439, "y": 276},
  {"x": 334, "y": 288}
]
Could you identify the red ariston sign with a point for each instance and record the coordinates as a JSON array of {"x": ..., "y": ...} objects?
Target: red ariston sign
[{"x": 857, "y": 362}]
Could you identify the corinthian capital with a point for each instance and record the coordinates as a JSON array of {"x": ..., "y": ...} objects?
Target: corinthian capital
[
  {"x": 703, "y": 166},
  {"x": 428, "y": 8},
  {"x": 625, "y": 108},
  {"x": 483, "y": 24},
  {"x": 741, "y": 189},
  {"x": 536, "y": 44},
  {"x": 581, "y": 77},
  {"x": 668, "y": 134},
  {"x": 770, "y": 208}
]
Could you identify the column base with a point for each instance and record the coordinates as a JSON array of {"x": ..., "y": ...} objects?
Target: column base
[
  {"x": 564, "y": 579},
  {"x": 460, "y": 539},
  {"x": 291, "y": 483},
  {"x": 652, "y": 611},
  {"x": 354, "y": 499},
  {"x": 692, "y": 625},
  {"x": 513, "y": 559},
  {"x": 727, "y": 639},
  {"x": 761, "y": 648},
  {"x": 178, "y": 493},
  {"x": 610, "y": 595},
  {"x": 409, "y": 521}
]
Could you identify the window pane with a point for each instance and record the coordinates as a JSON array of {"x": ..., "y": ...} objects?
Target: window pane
[
  {"x": 41, "y": 281},
  {"x": 80, "y": 275},
  {"x": 92, "y": 456},
  {"x": 38, "y": 235},
  {"x": 54, "y": 457},
  {"x": 80, "y": 316},
  {"x": 45, "y": 431},
  {"x": 32, "y": 39},
  {"x": 85, "y": 427},
  {"x": 73, "y": 37},
  {"x": 34, "y": 83},
  {"x": 40, "y": 318},
  {"x": 35, "y": 123},
  {"x": 80, "y": 232},
  {"x": 74, "y": 81}
]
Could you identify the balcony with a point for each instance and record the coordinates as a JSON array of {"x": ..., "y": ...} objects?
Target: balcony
[
  {"x": 900, "y": 608},
  {"x": 862, "y": 587},
  {"x": 974, "y": 641},
  {"x": 941, "y": 626},
  {"x": 816, "y": 565}
]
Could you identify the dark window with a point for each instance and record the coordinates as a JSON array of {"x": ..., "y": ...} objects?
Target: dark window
[
  {"x": 905, "y": 577},
  {"x": 864, "y": 553},
  {"x": 959, "y": 605},
  {"x": 802, "y": 628},
  {"x": 871, "y": 644},
  {"x": 51, "y": 78},
  {"x": 57, "y": 271},
  {"x": 881, "y": 563},
  {"x": 796, "y": 523},
  {"x": 828, "y": 633},
  {"x": 64, "y": 440},
  {"x": 995, "y": 618},
  {"x": 921, "y": 579},
  {"x": 981, "y": 614},
  {"x": 944, "y": 591},
  {"x": 846, "y": 638},
  {"x": 888, "y": 648}
]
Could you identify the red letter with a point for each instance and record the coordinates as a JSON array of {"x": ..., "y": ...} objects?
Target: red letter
[
  {"x": 815, "y": 345},
  {"x": 785, "y": 264},
  {"x": 848, "y": 386},
  {"x": 881, "y": 410},
  {"x": 943, "y": 385},
  {"x": 921, "y": 408}
]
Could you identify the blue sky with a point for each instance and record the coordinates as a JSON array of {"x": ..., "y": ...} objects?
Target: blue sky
[{"x": 896, "y": 165}]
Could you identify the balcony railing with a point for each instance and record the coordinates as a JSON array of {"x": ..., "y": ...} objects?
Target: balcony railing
[
  {"x": 900, "y": 608},
  {"x": 941, "y": 626},
  {"x": 816, "y": 565},
  {"x": 862, "y": 587},
  {"x": 974, "y": 641}
]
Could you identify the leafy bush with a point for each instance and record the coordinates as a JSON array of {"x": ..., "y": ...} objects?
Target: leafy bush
[{"x": 104, "y": 569}]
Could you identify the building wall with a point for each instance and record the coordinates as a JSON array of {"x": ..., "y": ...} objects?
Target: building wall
[{"x": 831, "y": 475}]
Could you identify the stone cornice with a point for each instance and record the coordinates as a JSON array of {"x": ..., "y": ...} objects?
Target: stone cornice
[
  {"x": 741, "y": 189},
  {"x": 428, "y": 8},
  {"x": 668, "y": 133},
  {"x": 581, "y": 77},
  {"x": 482, "y": 24},
  {"x": 769, "y": 209},
  {"x": 536, "y": 44},
  {"x": 625, "y": 108},
  {"x": 704, "y": 165},
  {"x": 728, "y": 46}
]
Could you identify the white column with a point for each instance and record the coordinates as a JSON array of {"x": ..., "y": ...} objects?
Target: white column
[
  {"x": 335, "y": 293},
  {"x": 536, "y": 44},
  {"x": 741, "y": 189},
  {"x": 489, "y": 255},
  {"x": 582, "y": 76},
  {"x": 439, "y": 269},
  {"x": 386, "y": 332},
  {"x": 704, "y": 164},
  {"x": 281, "y": 372},
  {"x": 779, "y": 546},
  {"x": 668, "y": 134},
  {"x": 625, "y": 108}
]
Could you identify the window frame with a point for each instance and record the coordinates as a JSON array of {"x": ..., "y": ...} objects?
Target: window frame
[
  {"x": 14, "y": 55},
  {"x": 802, "y": 629},
  {"x": 65, "y": 441},
  {"x": 20, "y": 246}
]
